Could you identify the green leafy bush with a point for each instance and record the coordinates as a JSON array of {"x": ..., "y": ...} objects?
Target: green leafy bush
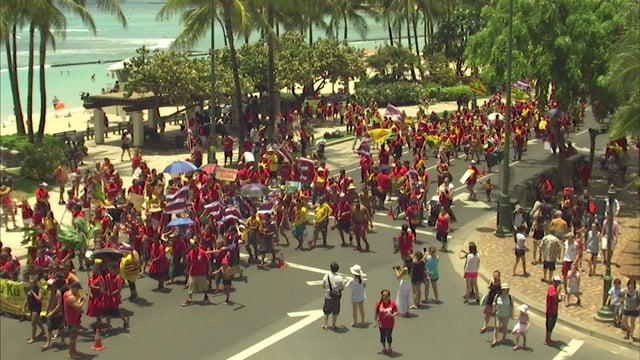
[
  {"x": 397, "y": 93},
  {"x": 450, "y": 93},
  {"x": 37, "y": 162}
]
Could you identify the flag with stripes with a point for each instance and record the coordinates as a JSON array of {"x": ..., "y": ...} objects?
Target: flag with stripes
[
  {"x": 393, "y": 112},
  {"x": 176, "y": 206},
  {"x": 182, "y": 193},
  {"x": 365, "y": 147},
  {"x": 284, "y": 153}
]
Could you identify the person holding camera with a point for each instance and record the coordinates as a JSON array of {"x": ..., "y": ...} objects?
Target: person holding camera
[
  {"x": 403, "y": 273},
  {"x": 333, "y": 283}
]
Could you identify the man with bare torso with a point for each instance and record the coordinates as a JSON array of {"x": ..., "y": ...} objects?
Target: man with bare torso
[{"x": 361, "y": 220}]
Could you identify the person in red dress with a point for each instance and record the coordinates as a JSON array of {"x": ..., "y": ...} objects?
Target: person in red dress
[
  {"x": 96, "y": 294},
  {"x": 159, "y": 268},
  {"x": 112, "y": 298},
  {"x": 384, "y": 318},
  {"x": 73, "y": 301}
]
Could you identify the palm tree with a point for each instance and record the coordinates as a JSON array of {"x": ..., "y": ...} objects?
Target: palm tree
[
  {"x": 51, "y": 17},
  {"x": 624, "y": 74},
  {"x": 196, "y": 17},
  {"x": 12, "y": 17},
  {"x": 344, "y": 13}
]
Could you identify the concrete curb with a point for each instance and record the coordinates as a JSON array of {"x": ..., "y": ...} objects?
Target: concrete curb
[{"x": 468, "y": 233}]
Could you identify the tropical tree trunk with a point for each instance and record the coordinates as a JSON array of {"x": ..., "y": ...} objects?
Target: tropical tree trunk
[
  {"x": 237, "y": 114},
  {"x": 271, "y": 81},
  {"x": 415, "y": 33},
  {"x": 346, "y": 25},
  {"x": 31, "y": 61},
  {"x": 44, "y": 37},
  {"x": 390, "y": 30},
  {"x": 10, "y": 48},
  {"x": 310, "y": 32}
]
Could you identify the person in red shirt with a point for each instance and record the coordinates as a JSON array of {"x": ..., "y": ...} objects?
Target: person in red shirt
[
  {"x": 343, "y": 218},
  {"x": 178, "y": 250},
  {"x": 385, "y": 313},
  {"x": 414, "y": 215},
  {"x": 472, "y": 180},
  {"x": 553, "y": 298},
  {"x": 198, "y": 269},
  {"x": 112, "y": 297},
  {"x": 404, "y": 242},
  {"x": 383, "y": 182},
  {"x": 227, "y": 147},
  {"x": 42, "y": 198},
  {"x": 159, "y": 268}
]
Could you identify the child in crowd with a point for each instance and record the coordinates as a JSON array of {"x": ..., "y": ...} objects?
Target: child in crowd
[
  {"x": 521, "y": 328},
  {"x": 573, "y": 284},
  {"x": 488, "y": 186},
  {"x": 614, "y": 300}
]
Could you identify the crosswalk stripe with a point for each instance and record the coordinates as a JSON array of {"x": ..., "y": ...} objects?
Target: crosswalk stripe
[{"x": 568, "y": 351}]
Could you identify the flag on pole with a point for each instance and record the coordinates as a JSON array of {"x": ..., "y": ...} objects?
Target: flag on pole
[
  {"x": 365, "y": 147},
  {"x": 176, "y": 206},
  {"x": 182, "y": 193},
  {"x": 393, "y": 112}
]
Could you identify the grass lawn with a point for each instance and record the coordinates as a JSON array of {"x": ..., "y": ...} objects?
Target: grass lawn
[{"x": 22, "y": 184}]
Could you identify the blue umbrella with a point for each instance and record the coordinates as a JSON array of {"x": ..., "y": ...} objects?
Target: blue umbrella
[
  {"x": 180, "y": 221},
  {"x": 179, "y": 166},
  {"x": 254, "y": 190}
]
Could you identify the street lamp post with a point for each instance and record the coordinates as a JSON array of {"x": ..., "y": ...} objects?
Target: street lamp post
[
  {"x": 212, "y": 101},
  {"x": 605, "y": 314},
  {"x": 505, "y": 208}
]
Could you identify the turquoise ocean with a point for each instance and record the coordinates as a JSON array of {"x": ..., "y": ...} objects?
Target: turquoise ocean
[{"x": 112, "y": 43}]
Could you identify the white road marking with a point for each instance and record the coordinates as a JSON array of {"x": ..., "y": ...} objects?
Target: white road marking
[
  {"x": 424, "y": 232},
  {"x": 568, "y": 351},
  {"x": 314, "y": 282},
  {"x": 309, "y": 317}
]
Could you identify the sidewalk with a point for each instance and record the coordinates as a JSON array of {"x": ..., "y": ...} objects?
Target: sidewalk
[{"x": 498, "y": 254}]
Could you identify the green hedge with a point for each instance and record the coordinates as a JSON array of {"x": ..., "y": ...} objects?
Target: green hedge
[
  {"x": 408, "y": 93},
  {"x": 37, "y": 162},
  {"x": 399, "y": 93},
  {"x": 450, "y": 93}
]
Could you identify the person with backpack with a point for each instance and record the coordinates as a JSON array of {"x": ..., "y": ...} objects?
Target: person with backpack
[{"x": 333, "y": 284}]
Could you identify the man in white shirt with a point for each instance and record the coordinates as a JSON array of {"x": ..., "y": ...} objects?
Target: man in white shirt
[{"x": 333, "y": 284}]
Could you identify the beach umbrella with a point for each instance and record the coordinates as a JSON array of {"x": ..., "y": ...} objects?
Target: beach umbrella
[
  {"x": 179, "y": 166},
  {"x": 493, "y": 115},
  {"x": 180, "y": 221},
  {"x": 254, "y": 190},
  {"x": 209, "y": 168}
]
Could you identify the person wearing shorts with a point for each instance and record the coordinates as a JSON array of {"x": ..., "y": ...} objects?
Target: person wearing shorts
[
  {"x": 227, "y": 273},
  {"x": 73, "y": 302},
  {"x": 55, "y": 316},
  {"x": 332, "y": 283},
  {"x": 553, "y": 298}
]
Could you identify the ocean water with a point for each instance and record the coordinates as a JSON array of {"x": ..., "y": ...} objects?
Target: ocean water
[{"x": 111, "y": 43}]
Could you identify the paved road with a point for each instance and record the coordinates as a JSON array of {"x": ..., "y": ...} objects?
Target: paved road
[{"x": 275, "y": 315}]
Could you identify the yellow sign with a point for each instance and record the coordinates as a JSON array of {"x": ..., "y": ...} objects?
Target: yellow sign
[
  {"x": 226, "y": 174},
  {"x": 13, "y": 295}
]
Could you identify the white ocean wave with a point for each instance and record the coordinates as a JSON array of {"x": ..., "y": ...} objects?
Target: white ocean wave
[{"x": 23, "y": 68}]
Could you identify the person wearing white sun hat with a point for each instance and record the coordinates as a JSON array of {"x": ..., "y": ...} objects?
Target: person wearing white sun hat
[
  {"x": 521, "y": 327},
  {"x": 358, "y": 294}
]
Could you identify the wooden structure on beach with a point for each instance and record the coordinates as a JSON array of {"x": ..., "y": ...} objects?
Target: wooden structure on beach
[{"x": 133, "y": 105}]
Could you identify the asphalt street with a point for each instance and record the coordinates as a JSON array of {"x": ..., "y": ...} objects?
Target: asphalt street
[{"x": 276, "y": 315}]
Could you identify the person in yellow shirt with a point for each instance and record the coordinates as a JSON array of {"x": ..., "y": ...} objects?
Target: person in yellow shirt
[
  {"x": 300, "y": 220},
  {"x": 321, "y": 222},
  {"x": 252, "y": 226}
]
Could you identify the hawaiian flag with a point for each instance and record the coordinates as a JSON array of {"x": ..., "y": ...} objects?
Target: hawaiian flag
[
  {"x": 176, "y": 206},
  {"x": 393, "y": 112},
  {"x": 182, "y": 193},
  {"x": 284, "y": 153},
  {"x": 232, "y": 210},
  {"x": 442, "y": 156},
  {"x": 266, "y": 207},
  {"x": 365, "y": 147},
  {"x": 522, "y": 84}
]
